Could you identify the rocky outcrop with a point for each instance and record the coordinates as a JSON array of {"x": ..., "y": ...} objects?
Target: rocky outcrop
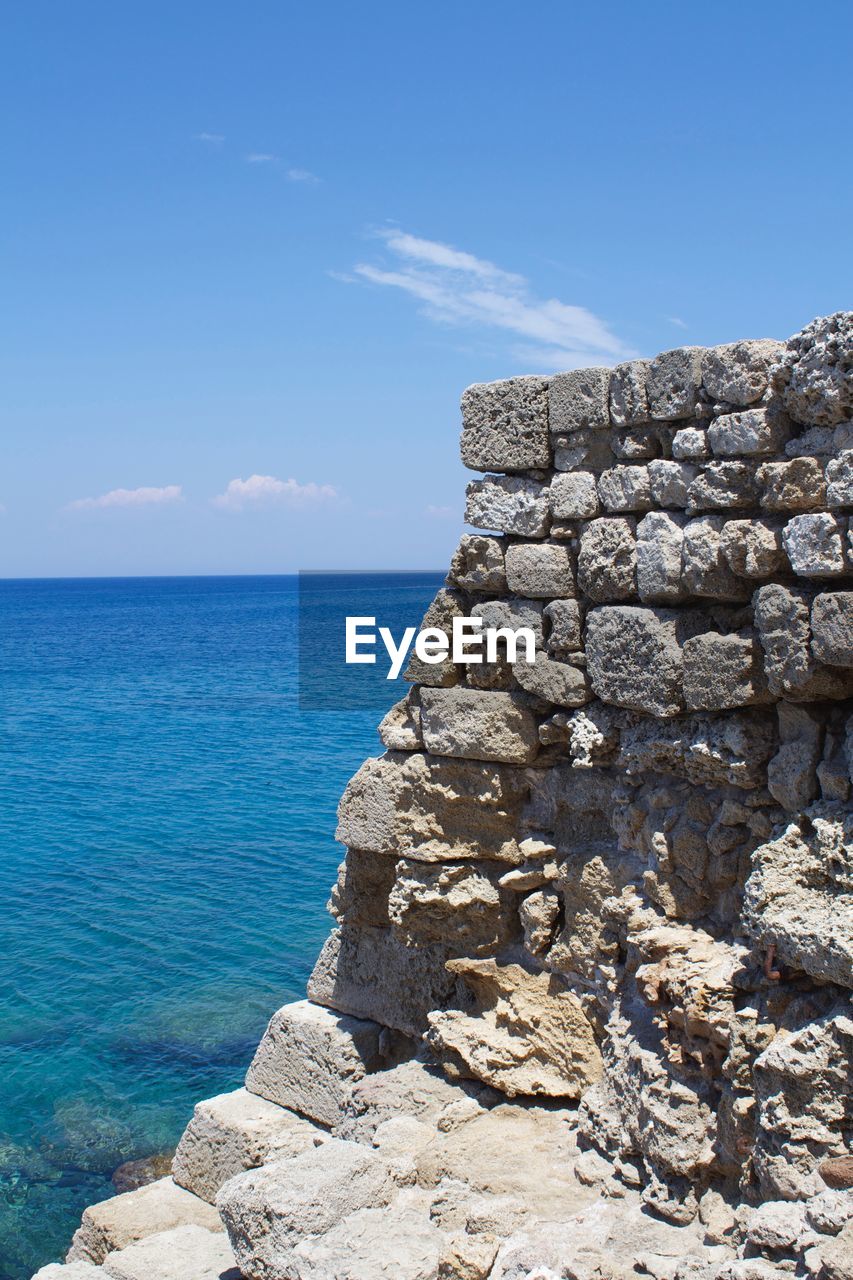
[{"x": 586, "y": 1010}]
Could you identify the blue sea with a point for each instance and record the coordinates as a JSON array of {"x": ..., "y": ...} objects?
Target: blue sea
[{"x": 167, "y": 815}]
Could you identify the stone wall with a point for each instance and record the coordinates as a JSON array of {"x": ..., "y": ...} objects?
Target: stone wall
[
  {"x": 614, "y": 886},
  {"x": 624, "y": 873}
]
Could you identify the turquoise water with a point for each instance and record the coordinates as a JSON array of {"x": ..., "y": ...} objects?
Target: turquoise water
[{"x": 166, "y": 849}]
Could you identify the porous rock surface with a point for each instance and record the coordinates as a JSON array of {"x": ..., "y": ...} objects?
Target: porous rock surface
[{"x": 586, "y": 1010}]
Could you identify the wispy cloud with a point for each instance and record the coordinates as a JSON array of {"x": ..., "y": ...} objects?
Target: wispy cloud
[
  {"x": 257, "y": 490},
  {"x": 439, "y": 513},
  {"x": 143, "y": 497},
  {"x": 302, "y": 175},
  {"x": 678, "y": 322},
  {"x": 459, "y": 289},
  {"x": 214, "y": 139},
  {"x": 261, "y": 157}
]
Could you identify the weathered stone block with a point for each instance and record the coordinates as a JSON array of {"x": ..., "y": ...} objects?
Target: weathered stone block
[
  {"x": 815, "y": 545},
  {"x": 634, "y": 658},
  {"x": 797, "y": 485},
  {"x": 751, "y": 433},
  {"x": 477, "y": 724},
  {"x": 270, "y": 1212},
  {"x": 585, "y": 450},
  {"x": 574, "y": 496},
  {"x": 705, "y": 569},
  {"x": 839, "y": 480},
  {"x": 669, "y": 482},
  {"x": 564, "y": 620},
  {"x": 309, "y": 1055},
  {"x": 753, "y": 548},
  {"x": 439, "y": 807},
  {"x": 457, "y": 905},
  {"x": 557, "y": 682},
  {"x": 190, "y": 1252},
  {"x": 782, "y": 621},
  {"x": 541, "y": 570},
  {"x": 690, "y": 444},
  {"x": 530, "y": 1036},
  {"x": 720, "y": 486},
  {"x": 722, "y": 671},
  {"x": 798, "y": 895},
  {"x": 120, "y": 1221},
  {"x": 510, "y": 613},
  {"x": 607, "y": 561},
  {"x": 371, "y": 974},
  {"x": 478, "y": 564},
  {"x": 414, "y": 1090},
  {"x": 579, "y": 399},
  {"x": 447, "y": 605},
  {"x": 625, "y": 489},
  {"x": 832, "y": 628},
  {"x": 659, "y": 543},
  {"x": 673, "y": 382},
  {"x": 505, "y": 425},
  {"x": 233, "y": 1132},
  {"x": 400, "y": 729},
  {"x": 509, "y": 504},
  {"x": 638, "y": 444},
  {"x": 628, "y": 400},
  {"x": 737, "y": 373},
  {"x": 814, "y": 377}
]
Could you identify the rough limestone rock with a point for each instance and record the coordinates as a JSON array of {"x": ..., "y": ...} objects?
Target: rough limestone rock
[
  {"x": 801, "y": 1083},
  {"x": 371, "y": 974},
  {"x": 574, "y": 496},
  {"x": 579, "y": 399},
  {"x": 309, "y": 1055},
  {"x": 121, "y": 1221},
  {"x": 555, "y": 682},
  {"x": 832, "y": 628},
  {"x": 541, "y": 570},
  {"x": 478, "y": 564},
  {"x": 435, "y": 807},
  {"x": 189, "y": 1252},
  {"x": 530, "y": 1037},
  {"x": 800, "y": 895},
  {"x": 478, "y": 724},
  {"x": 815, "y": 376},
  {"x": 267, "y": 1212},
  {"x": 505, "y": 425},
  {"x": 722, "y": 671},
  {"x": 673, "y": 382},
  {"x": 737, "y": 373},
  {"x": 233, "y": 1132},
  {"x": 660, "y": 538},
  {"x": 509, "y": 504},
  {"x": 613, "y": 883},
  {"x": 635, "y": 658},
  {"x": 414, "y": 1089},
  {"x": 607, "y": 563}
]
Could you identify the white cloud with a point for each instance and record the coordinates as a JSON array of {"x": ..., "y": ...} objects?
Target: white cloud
[
  {"x": 266, "y": 489},
  {"x": 303, "y": 175},
  {"x": 678, "y": 322},
  {"x": 457, "y": 288},
  {"x": 439, "y": 513},
  {"x": 215, "y": 139},
  {"x": 143, "y": 497},
  {"x": 261, "y": 157}
]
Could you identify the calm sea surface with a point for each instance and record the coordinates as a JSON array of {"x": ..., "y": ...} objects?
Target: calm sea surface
[{"x": 166, "y": 849}]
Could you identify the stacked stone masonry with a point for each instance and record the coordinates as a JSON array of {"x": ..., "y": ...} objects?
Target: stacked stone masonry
[{"x": 586, "y": 1010}]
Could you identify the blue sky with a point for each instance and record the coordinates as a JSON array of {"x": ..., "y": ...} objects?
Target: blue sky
[{"x": 251, "y": 255}]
